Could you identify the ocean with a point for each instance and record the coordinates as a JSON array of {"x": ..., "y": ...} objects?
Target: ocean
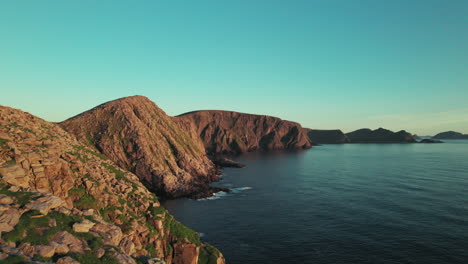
[{"x": 353, "y": 203}]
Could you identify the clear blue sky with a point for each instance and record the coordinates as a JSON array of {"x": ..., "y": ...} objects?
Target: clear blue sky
[{"x": 400, "y": 64}]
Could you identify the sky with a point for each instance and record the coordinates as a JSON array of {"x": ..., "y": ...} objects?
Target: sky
[{"x": 326, "y": 64}]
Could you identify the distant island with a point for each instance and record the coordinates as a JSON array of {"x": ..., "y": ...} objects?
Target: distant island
[{"x": 450, "y": 135}]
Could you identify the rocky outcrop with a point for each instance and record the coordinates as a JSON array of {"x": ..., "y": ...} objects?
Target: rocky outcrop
[
  {"x": 334, "y": 136},
  {"x": 61, "y": 201},
  {"x": 225, "y": 132},
  {"x": 450, "y": 135},
  {"x": 138, "y": 136},
  {"x": 429, "y": 141},
  {"x": 380, "y": 135}
]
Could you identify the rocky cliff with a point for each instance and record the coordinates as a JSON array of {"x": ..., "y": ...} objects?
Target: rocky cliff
[
  {"x": 450, "y": 135},
  {"x": 62, "y": 201},
  {"x": 138, "y": 136},
  {"x": 225, "y": 132},
  {"x": 335, "y": 136},
  {"x": 380, "y": 135}
]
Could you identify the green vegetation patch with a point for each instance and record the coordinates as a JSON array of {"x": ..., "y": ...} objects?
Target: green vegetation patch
[
  {"x": 179, "y": 230},
  {"x": 3, "y": 144},
  {"x": 208, "y": 255},
  {"x": 14, "y": 260},
  {"x": 34, "y": 228},
  {"x": 86, "y": 202},
  {"x": 156, "y": 211},
  {"x": 119, "y": 175},
  {"x": 22, "y": 198},
  {"x": 97, "y": 154}
]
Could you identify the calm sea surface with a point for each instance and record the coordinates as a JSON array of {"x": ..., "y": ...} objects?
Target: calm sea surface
[{"x": 355, "y": 203}]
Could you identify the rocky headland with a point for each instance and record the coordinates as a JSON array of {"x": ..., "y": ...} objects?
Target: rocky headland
[
  {"x": 226, "y": 132},
  {"x": 334, "y": 136},
  {"x": 62, "y": 200},
  {"x": 138, "y": 136}
]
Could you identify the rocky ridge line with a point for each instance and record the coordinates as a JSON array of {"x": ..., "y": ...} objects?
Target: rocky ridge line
[{"x": 63, "y": 202}]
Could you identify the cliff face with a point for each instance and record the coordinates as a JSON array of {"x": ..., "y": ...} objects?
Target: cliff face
[
  {"x": 61, "y": 201},
  {"x": 138, "y": 136},
  {"x": 380, "y": 136},
  {"x": 326, "y": 136},
  {"x": 225, "y": 132},
  {"x": 450, "y": 135}
]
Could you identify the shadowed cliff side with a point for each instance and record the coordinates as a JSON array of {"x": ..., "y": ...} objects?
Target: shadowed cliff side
[
  {"x": 335, "y": 136},
  {"x": 64, "y": 202},
  {"x": 225, "y": 132},
  {"x": 138, "y": 136}
]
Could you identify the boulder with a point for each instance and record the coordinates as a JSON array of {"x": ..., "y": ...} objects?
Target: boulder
[
  {"x": 127, "y": 246},
  {"x": 45, "y": 251},
  {"x": 45, "y": 204},
  {"x": 9, "y": 219},
  {"x": 111, "y": 234},
  {"x": 83, "y": 227},
  {"x": 67, "y": 260},
  {"x": 14, "y": 175},
  {"x": 5, "y": 199},
  {"x": 65, "y": 238}
]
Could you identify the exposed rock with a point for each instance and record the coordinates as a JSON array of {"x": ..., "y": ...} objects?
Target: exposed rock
[
  {"x": 138, "y": 136},
  {"x": 186, "y": 253},
  {"x": 429, "y": 141},
  {"x": 8, "y": 219},
  {"x": 45, "y": 204},
  {"x": 49, "y": 170},
  {"x": 45, "y": 251},
  {"x": 111, "y": 234},
  {"x": 100, "y": 252},
  {"x": 326, "y": 136},
  {"x": 67, "y": 239},
  {"x": 450, "y": 135},
  {"x": 124, "y": 259},
  {"x": 380, "y": 135},
  {"x": 15, "y": 175},
  {"x": 127, "y": 246},
  {"x": 224, "y": 162},
  {"x": 67, "y": 260},
  {"x": 5, "y": 199},
  {"x": 27, "y": 249},
  {"x": 83, "y": 227},
  {"x": 232, "y": 132}
]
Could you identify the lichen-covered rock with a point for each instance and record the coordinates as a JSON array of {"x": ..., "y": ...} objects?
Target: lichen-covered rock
[
  {"x": 67, "y": 260},
  {"x": 66, "y": 240},
  {"x": 83, "y": 227},
  {"x": 9, "y": 217},
  {"x": 45, "y": 204},
  {"x": 45, "y": 251}
]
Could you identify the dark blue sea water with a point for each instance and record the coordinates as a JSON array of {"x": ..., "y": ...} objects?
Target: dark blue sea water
[{"x": 356, "y": 203}]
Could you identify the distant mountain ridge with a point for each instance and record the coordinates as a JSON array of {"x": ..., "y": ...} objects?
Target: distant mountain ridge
[{"x": 380, "y": 135}]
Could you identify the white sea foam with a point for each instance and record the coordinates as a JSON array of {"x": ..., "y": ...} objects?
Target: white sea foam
[
  {"x": 221, "y": 194},
  {"x": 240, "y": 189}
]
